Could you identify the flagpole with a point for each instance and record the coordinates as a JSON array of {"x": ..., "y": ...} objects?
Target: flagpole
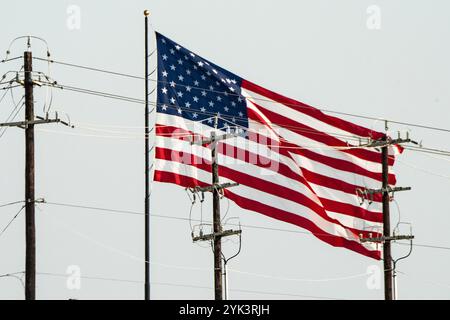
[{"x": 147, "y": 169}]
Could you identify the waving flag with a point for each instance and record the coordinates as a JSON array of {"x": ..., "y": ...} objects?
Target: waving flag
[{"x": 293, "y": 162}]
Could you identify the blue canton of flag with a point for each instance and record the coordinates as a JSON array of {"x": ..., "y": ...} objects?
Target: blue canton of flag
[{"x": 196, "y": 89}]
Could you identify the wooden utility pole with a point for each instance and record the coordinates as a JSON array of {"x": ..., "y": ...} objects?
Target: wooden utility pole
[
  {"x": 387, "y": 258},
  {"x": 217, "y": 227},
  {"x": 218, "y": 233},
  {"x": 30, "y": 232},
  {"x": 386, "y": 190},
  {"x": 28, "y": 125}
]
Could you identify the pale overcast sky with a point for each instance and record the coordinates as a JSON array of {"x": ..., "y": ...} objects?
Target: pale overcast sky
[{"x": 324, "y": 53}]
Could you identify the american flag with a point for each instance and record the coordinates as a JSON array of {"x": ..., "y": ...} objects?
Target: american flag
[{"x": 292, "y": 161}]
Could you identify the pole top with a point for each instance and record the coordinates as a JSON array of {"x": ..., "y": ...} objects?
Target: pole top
[{"x": 146, "y": 13}]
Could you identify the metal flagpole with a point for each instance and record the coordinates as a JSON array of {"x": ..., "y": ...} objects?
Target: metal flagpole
[{"x": 147, "y": 169}]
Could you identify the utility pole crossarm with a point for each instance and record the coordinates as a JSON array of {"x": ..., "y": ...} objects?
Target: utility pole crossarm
[
  {"x": 386, "y": 141},
  {"x": 215, "y": 235},
  {"x": 219, "y": 186},
  {"x": 213, "y": 139},
  {"x": 26, "y": 123},
  {"x": 389, "y": 238},
  {"x": 388, "y": 189},
  {"x": 382, "y": 142}
]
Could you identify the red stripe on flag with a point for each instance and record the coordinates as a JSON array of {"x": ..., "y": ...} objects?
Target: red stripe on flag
[
  {"x": 313, "y": 112},
  {"x": 249, "y": 204},
  {"x": 278, "y": 214}
]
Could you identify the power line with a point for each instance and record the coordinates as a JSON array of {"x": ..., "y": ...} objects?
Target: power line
[
  {"x": 299, "y": 280},
  {"x": 131, "y": 135},
  {"x": 258, "y": 99},
  {"x": 185, "y": 135},
  {"x": 10, "y": 203},
  {"x": 285, "y": 294},
  {"x": 1, "y": 99},
  {"x": 228, "y": 118},
  {"x": 439, "y": 284},
  {"x": 13, "y": 115},
  {"x": 423, "y": 170},
  {"x": 91, "y": 68},
  {"x": 184, "y": 285},
  {"x": 11, "y": 274},
  {"x": 429, "y": 150},
  {"x": 98, "y": 93},
  {"x": 9, "y": 87},
  {"x": 139, "y": 101},
  {"x": 424, "y": 245},
  {"x": 11, "y": 221},
  {"x": 342, "y": 278},
  {"x": 107, "y": 210},
  {"x": 11, "y": 59},
  {"x": 89, "y": 277},
  {"x": 237, "y": 271}
]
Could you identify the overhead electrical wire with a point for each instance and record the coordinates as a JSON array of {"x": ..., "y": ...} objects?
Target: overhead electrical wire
[
  {"x": 89, "y": 277},
  {"x": 119, "y": 211},
  {"x": 128, "y": 99},
  {"x": 12, "y": 116},
  {"x": 429, "y": 150},
  {"x": 439, "y": 284},
  {"x": 4, "y": 94},
  {"x": 236, "y": 271},
  {"x": 11, "y": 221},
  {"x": 424, "y": 245},
  {"x": 11, "y": 59},
  {"x": 10, "y": 203},
  {"x": 183, "y": 285},
  {"x": 134, "y": 100},
  {"x": 91, "y": 68},
  {"x": 96, "y": 93},
  {"x": 404, "y": 123},
  {"x": 227, "y": 118},
  {"x": 137, "y": 136},
  {"x": 427, "y": 171},
  {"x": 243, "y": 272}
]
